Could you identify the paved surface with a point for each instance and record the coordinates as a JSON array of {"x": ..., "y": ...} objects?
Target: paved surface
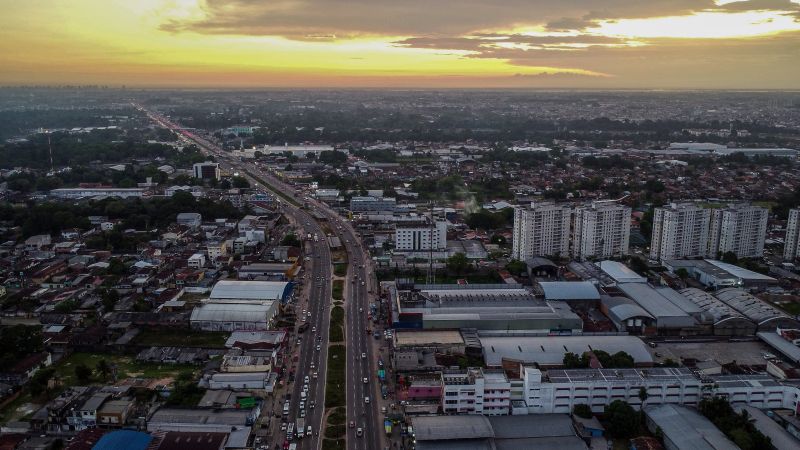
[{"x": 316, "y": 300}]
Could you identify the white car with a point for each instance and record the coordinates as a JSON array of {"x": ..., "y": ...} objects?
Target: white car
[
  {"x": 366, "y": 400},
  {"x": 366, "y": 380},
  {"x": 363, "y": 356},
  {"x": 305, "y": 388},
  {"x": 318, "y": 347},
  {"x": 306, "y": 379}
]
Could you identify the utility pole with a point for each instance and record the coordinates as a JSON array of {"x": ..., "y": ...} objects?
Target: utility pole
[{"x": 431, "y": 279}]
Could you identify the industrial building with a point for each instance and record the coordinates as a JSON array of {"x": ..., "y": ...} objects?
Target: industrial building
[
  {"x": 685, "y": 428},
  {"x": 548, "y": 351},
  {"x": 483, "y": 307},
  {"x": 233, "y": 316},
  {"x": 619, "y": 272},
  {"x": 373, "y": 204},
  {"x": 715, "y": 274},
  {"x": 627, "y": 315},
  {"x": 570, "y": 291},
  {"x": 727, "y": 321},
  {"x": 671, "y": 311},
  {"x": 73, "y": 193},
  {"x": 478, "y": 432},
  {"x": 765, "y": 316},
  {"x": 234, "y": 291}
]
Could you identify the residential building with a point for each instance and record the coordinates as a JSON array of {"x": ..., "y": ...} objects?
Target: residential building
[
  {"x": 601, "y": 230},
  {"x": 543, "y": 229},
  {"x": 421, "y": 236},
  {"x": 196, "y": 261},
  {"x": 680, "y": 230},
  {"x": 740, "y": 229},
  {"x": 476, "y": 392},
  {"x": 791, "y": 246},
  {"x": 190, "y": 220},
  {"x": 372, "y": 204}
]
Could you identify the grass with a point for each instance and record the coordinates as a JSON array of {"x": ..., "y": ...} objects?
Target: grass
[
  {"x": 336, "y": 333},
  {"x": 334, "y": 389},
  {"x": 337, "y": 417},
  {"x": 181, "y": 338},
  {"x": 330, "y": 444},
  {"x": 340, "y": 269},
  {"x": 126, "y": 367},
  {"x": 335, "y": 431},
  {"x": 338, "y": 290}
]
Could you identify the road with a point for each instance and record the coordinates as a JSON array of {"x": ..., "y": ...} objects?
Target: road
[{"x": 360, "y": 286}]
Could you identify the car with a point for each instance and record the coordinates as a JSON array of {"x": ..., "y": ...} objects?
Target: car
[
  {"x": 359, "y": 432},
  {"x": 366, "y": 400},
  {"x": 312, "y": 404},
  {"x": 314, "y": 375},
  {"x": 312, "y": 365},
  {"x": 362, "y": 283},
  {"x": 309, "y": 314},
  {"x": 360, "y": 309},
  {"x": 302, "y": 413},
  {"x": 305, "y": 380},
  {"x": 302, "y": 405},
  {"x": 305, "y": 388},
  {"x": 366, "y": 380},
  {"x": 283, "y": 426},
  {"x": 318, "y": 347},
  {"x": 352, "y": 424},
  {"x": 313, "y": 329},
  {"x": 363, "y": 356}
]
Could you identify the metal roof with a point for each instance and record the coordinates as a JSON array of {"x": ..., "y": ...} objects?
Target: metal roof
[
  {"x": 250, "y": 290},
  {"x": 780, "y": 344},
  {"x": 751, "y": 306},
  {"x": 569, "y": 290},
  {"x": 434, "y": 428},
  {"x": 655, "y": 302},
  {"x": 625, "y": 311},
  {"x": 620, "y": 272},
  {"x": 124, "y": 440},
  {"x": 687, "y": 429},
  {"x": 550, "y": 350},
  {"x": 740, "y": 272},
  {"x": 710, "y": 304},
  {"x": 232, "y": 312}
]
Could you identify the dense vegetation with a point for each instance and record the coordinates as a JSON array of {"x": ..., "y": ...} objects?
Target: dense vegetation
[{"x": 737, "y": 427}]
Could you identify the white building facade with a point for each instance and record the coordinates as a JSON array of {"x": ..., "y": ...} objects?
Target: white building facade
[
  {"x": 790, "y": 247},
  {"x": 680, "y": 230},
  {"x": 740, "y": 229},
  {"x": 541, "y": 230},
  {"x": 421, "y": 236},
  {"x": 601, "y": 230}
]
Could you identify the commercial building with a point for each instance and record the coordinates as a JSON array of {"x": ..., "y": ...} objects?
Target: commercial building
[
  {"x": 420, "y": 236},
  {"x": 483, "y": 307},
  {"x": 233, "y": 316},
  {"x": 715, "y": 274},
  {"x": 791, "y": 246},
  {"x": 207, "y": 170},
  {"x": 680, "y": 230},
  {"x": 236, "y": 291},
  {"x": 72, "y": 193},
  {"x": 738, "y": 228},
  {"x": 373, "y": 204},
  {"x": 543, "y": 229},
  {"x": 685, "y": 428},
  {"x": 601, "y": 230},
  {"x": 476, "y": 391}
]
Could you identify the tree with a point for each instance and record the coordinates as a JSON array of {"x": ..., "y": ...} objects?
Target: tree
[
  {"x": 582, "y": 410},
  {"x": 83, "y": 373},
  {"x": 290, "y": 240},
  {"x": 240, "y": 182},
  {"x": 516, "y": 267},
  {"x": 103, "y": 368},
  {"x": 682, "y": 273},
  {"x": 643, "y": 395},
  {"x": 573, "y": 361},
  {"x": 458, "y": 263},
  {"x": 730, "y": 258},
  {"x": 39, "y": 381},
  {"x": 623, "y": 420},
  {"x": 116, "y": 267}
]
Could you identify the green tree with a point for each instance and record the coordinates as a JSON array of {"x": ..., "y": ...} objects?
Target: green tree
[
  {"x": 103, "y": 368},
  {"x": 730, "y": 258},
  {"x": 290, "y": 240},
  {"x": 623, "y": 420},
  {"x": 458, "y": 263},
  {"x": 240, "y": 182},
  {"x": 573, "y": 361},
  {"x": 682, "y": 273},
  {"x": 83, "y": 373},
  {"x": 39, "y": 381},
  {"x": 517, "y": 267}
]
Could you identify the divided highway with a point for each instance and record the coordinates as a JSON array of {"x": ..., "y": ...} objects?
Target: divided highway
[{"x": 360, "y": 284}]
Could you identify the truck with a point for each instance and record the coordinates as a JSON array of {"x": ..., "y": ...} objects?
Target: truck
[
  {"x": 301, "y": 427},
  {"x": 290, "y": 431}
]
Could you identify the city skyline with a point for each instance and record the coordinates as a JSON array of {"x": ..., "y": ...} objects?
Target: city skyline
[{"x": 609, "y": 44}]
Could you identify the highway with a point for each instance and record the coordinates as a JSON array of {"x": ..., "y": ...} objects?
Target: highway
[{"x": 360, "y": 286}]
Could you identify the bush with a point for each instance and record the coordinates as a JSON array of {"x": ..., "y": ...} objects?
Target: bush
[
  {"x": 623, "y": 420},
  {"x": 582, "y": 410}
]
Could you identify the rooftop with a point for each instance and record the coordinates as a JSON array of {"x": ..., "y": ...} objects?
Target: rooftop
[
  {"x": 569, "y": 290},
  {"x": 250, "y": 290},
  {"x": 550, "y": 350}
]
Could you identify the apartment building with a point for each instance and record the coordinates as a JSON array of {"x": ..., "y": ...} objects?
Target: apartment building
[
  {"x": 790, "y": 247},
  {"x": 601, "y": 230},
  {"x": 421, "y": 236},
  {"x": 542, "y": 229},
  {"x": 680, "y": 230},
  {"x": 738, "y": 228}
]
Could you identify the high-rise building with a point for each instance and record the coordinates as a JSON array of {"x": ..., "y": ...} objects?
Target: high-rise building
[
  {"x": 680, "y": 230},
  {"x": 792, "y": 241},
  {"x": 542, "y": 229},
  {"x": 421, "y": 236},
  {"x": 738, "y": 228},
  {"x": 601, "y": 230},
  {"x": 207, "y": 170}
]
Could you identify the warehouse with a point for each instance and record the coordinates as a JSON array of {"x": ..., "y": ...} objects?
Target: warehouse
[
  {"x": 236, "y": 291},
  {"x": 572, "y": 292},
  {"x": 663, "y": 305},
  {"x": 628, "y": 316},
  {"x": 483, "y": 307},
  {"x": 684, "y": 428},
  {"x": 548, "y": 351},
  {"x": 765, "y": 316},
  {"x": 214, "y": 316},
  {"x": 727, "y": 321},
  {"x": 620, "y": 273}
]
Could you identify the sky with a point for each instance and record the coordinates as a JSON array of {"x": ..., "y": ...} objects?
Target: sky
[{"x": 594, "y": 44}]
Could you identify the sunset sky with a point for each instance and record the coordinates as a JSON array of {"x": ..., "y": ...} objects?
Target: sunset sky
[{"x": 650, "y": 44}]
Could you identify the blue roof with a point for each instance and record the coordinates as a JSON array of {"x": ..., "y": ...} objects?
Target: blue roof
[
  {"x": 123, "y": 440},
  {"x": 569, "y": 290}
]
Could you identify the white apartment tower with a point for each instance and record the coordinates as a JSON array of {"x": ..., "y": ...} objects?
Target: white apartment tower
[
  {"x": 543, "y": 229},
  {"x": 738, "y": 228},
  {"x": 680, "y": 230},
  {"x": 790, "y": 247},
  {"x": 601, "y": 230},
  {"x": 421, "y": 236}
]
